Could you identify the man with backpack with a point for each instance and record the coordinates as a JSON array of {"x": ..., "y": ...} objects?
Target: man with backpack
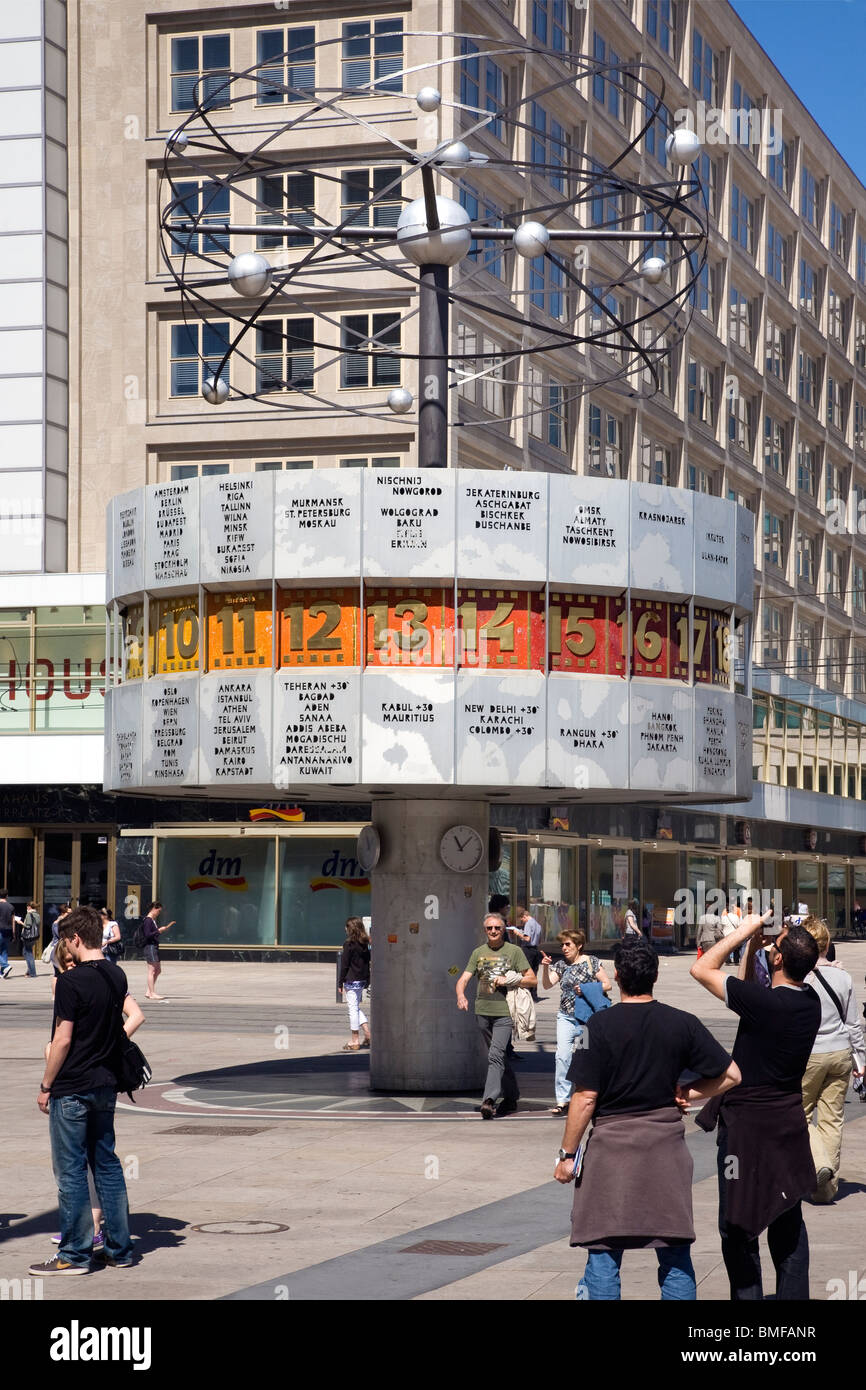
[{"x": 79, "y": 1092}]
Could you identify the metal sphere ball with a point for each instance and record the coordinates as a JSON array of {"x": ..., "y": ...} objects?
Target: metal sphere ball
[
  {"x": 215, "y": 390},
  {"x": 683, "y": 145},
  {"x": 454, "y": 156},
  {"x": 177, "y": 141},
  {"x": 400, "y": 400},
  {"x": 653, "y": 269},
  {"x": 447, "y": 245},
  {"x": 249, "y": 274},
  {"x": 429, "y": 99},
  {"x": 531, "y": 239}
]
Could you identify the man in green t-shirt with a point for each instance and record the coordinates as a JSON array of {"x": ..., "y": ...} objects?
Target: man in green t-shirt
[{"x": 491, "y": 963}]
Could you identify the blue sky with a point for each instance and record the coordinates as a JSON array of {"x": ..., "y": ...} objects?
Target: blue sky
[{"x": 819, "y": 47}]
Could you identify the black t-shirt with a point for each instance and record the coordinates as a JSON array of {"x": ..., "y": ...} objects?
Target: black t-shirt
[
  {"x": 7, "y": 917},
  {"x": 776, "y": 1033},
  {"x": 634, "y": 1055},
  {"x": 88, "y": 998}
]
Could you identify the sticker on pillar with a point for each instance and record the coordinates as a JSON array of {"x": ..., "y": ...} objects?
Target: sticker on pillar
[
  {"x": 500, "y": 729},
  {"x": 236, "y": 728},
  {"x": 237, "y": 523},
  {"x": 661, "y": 737},
  {"x": 501, "y": 526},
  {"x": 317, "y": 524},
  {"x": 408, "y": 727},
  {"x": 170, "y": 732},
  {"x": 409, "y": 523},
  {"x": 171, "y": 511},
  {"x": 240, "y": 630},
  {"x": 316, "y": 728},
  {"x": 715, "y": 741},
  {"x": 587, "y": 733}
]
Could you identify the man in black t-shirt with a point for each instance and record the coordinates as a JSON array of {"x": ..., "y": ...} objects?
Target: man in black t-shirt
[
  {"x": 635, "y": 1185},
  {"x": 7, "y": 933},
  {"x": 765, "y": 1162},
  {"x": 79, "y": 1092}
]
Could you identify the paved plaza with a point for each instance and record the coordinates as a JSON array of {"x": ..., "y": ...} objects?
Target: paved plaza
[{"x": 260, "y": 1167}]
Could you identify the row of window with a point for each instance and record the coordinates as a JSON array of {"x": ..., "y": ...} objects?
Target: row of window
[
  {"x": 842, "y": 666},
  {"x": 797, "y": 746}
]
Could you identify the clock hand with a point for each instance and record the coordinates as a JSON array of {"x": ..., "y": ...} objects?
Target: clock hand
[{"x": 460, "y": 846}]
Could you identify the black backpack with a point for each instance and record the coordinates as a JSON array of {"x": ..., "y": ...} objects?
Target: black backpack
[
  {"x": 131, "y": 1067},
  {"x": 139, "y": 940}
]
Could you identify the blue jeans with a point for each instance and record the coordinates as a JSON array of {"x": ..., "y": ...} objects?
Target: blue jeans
[
  {"x": 5, "y": 943},
  {"x": 82, "y": 1132},
  {"x": 600, "y": 1280},
  {"x": 27, "y": 953},
  {"x": 567, "y": 1029}
]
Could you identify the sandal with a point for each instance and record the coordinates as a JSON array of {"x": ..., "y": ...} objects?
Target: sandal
[
  {"x": 351, "y": 1047},
  {"x": 558, "y": 1110},
  {"x": 365, "y": 1043}
]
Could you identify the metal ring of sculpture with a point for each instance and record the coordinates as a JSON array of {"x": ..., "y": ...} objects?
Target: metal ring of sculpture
[{"x": 627, "y": 348}]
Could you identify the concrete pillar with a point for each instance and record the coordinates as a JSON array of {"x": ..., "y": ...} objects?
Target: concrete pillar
[{"x": 426, "y": 923}]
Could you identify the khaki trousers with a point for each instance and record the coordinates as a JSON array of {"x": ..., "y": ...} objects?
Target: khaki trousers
[{"x": 825, "y": 1085}]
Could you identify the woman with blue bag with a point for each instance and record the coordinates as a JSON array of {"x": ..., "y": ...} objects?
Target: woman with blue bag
[{"x": 584, "y": 989}]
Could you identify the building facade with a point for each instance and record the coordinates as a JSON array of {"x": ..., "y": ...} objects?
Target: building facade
[{"x": 763, "y": 402}]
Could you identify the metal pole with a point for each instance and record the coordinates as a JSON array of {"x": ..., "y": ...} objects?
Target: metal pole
[{"x": 433, "y": 367}]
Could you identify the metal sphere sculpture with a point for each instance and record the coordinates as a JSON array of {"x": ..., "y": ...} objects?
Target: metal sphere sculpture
[{"x": 613, "y": 260}]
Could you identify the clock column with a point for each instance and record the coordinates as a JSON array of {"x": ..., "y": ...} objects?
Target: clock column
[{"x": 426, "y": 923}]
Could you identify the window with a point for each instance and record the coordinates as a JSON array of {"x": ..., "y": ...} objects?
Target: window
[
  {"x": 836, "y": 317},
  {"x": 777, "y": 256},
  {"x": 196, "y": 352},
  {"x": 391, "y": 462},
  {"x": 290, "y": 58},
  {"x": 704, "y": 292},
  {"x": 836, "y": 482},
  {"x": 773, "y": 633},
  {"x": 358, "y": 188},
  {"x": 746, "y": 120},
  {"x": 199, "y": 72},
  {"x": 705, "y": 70},
  {"x": 274, "y": 467},
  {"x": 284, "y": 355},
  {"x": 805, "y": 645},
  {"x": 858, "y": 671},
  {"x": 808, "y": 289},
  {"x": 838, "y": 232},
  {"x": 834, "y": 666},
  {"x": 480, "y": 370},
  {"x": 808, "y": 386},
  {"x": 490, "y": 254},
  {"x": 656, "y": 463},
  {"x": 776, "y": 447},
  {"x": 661, "y": 24},
  {"x": 835, "y": 571},
  {"x": 859, "y": 425},
  {"x": 548, "y": 147},
  {"x": 806, "y": 552},
  {"x": 659, "y": 352},
  {"x": 808, "y": 196},
  {"x": 807, "y": 468},
  {"x": 657, "y": 135},
  {"x": 858, "y": 588},
  {"x": 550, "y": 24},
  {"x": 740, "y": 423},
  {"x": 779, "y": 165},
  {"x": 740, "y": 321},
  {"x": 604, "y": 443},
  {"x": 774, "y": 531},
  {"x": 547, "y": 286},
  {"x": 369, "y": 342},
  {"x": 742, "y": 219},
  {"x": 291, "y": 198},
  {"x": 482, "y": 87},
  {"x": 861, "y": 260},
  {"x": 179, "y": 471},
  {"x": 702, "y": 393},
  {"x": 546, "y": 402},
  {"x": 835, "y": 403},
  {"x": 860, "y": 342},
  {"x": 701, "y": 480},
  {"x": 607, "y": 207},
  {"x": 196, "y": 196},
  {"x": 373, "y": 55},
  {"x": 709, "y": 176},
  {"x": 605, "y": 319},
  {"x": 776, "y": 354},
  {"x": 608, "y": 87}
]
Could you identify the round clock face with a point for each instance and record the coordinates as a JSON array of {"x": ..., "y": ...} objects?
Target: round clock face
[
  {"x": 368, "y": 848},
  {"x": 461, "y": 849}
]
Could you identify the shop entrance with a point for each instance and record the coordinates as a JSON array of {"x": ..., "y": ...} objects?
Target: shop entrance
[
  {"x": 660, "y": 880},
  {"x": 74, "y": 866}
]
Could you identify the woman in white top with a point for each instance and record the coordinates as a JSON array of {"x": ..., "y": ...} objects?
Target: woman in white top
[
  {"x": 838, "y": 1048},
  {"x": 111, "y": 937}
]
